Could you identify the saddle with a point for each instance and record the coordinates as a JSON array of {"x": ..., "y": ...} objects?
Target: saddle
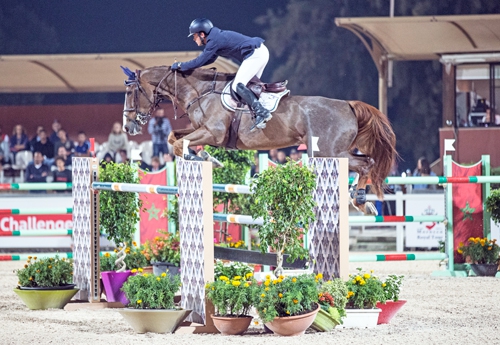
[{"x": 257, "y": 87}]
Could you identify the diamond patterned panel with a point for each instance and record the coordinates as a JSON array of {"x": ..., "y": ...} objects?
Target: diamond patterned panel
[
  {"x": 189, "y": 181},
  {"x": 81, "y": 225},
  {"x": 324, "y": 233}
]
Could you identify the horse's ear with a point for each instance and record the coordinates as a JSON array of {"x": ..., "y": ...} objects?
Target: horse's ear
[{"x": 128, "y": 73}]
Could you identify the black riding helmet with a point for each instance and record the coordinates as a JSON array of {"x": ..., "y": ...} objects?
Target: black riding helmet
[{"x": 199, "y": 25}]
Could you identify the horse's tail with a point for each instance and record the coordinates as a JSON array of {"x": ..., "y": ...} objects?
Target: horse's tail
[{"x": 377, "y": 140}]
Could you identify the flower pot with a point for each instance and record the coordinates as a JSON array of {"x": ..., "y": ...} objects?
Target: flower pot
[
  {"x": 235, "y": 325},
  {"x": 484, "y": 270},
  {"x": 154, "y": 320},
  {"x": 389, "y": 310},
  {"x": 160, "y": 267},
  {"x": 361, "y": 318},
  {"x": 324, "y": 322},
  {"x": 113, "y": 282},
  {"x": 45, "y": 299},
  {"x": 147, "y": 269},
  {"x": 292, "y": 325}
]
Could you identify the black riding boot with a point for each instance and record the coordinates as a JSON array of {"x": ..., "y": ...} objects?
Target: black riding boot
[{"x": 262, "y": 114}]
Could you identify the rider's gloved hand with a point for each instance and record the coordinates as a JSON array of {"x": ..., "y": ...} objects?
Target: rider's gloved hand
[{"x": 176, "y": 66}]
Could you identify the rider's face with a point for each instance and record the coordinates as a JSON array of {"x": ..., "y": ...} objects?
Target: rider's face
[{"x": 198, "y": 38}]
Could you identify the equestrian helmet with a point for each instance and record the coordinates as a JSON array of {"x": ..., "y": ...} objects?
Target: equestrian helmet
[{"x": 199, "y": 25}]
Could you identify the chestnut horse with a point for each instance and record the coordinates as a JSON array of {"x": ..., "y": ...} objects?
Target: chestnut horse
[{"x": 340, "y": 127}]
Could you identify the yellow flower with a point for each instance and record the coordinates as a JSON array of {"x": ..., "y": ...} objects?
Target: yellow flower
[
  {"x": 246, "y": 285},
  {"x": 266, "y": 289},
  {"x": 366, "y": 276},
  {"x": 107, "y": 255},
  {"x": 354, "y": 281},
  {"x": 140, "y": 270},
  {"x": 280, "y": 280},
  {"x": 460, "y": 251},
  {"x": 25, "y": 266},
  {"x": 134, "y": 243},
  {"x": 139, "y": 301},
  {"x": 237, "y": 278},
  {"x": 133, "y": 271},
  {"x": 228, "y": 282},
  {"x": 223, "y": 278},
  {"x": 319, "y": 276},
  {"x": 275, "y": 281},
  {"x": 358, "y": 278},
  {"x": 145, "y": 275},
  {"x": 248, "y": 275},
  {"x": 229, "y": 238},
  {"x": 207, "y": 285},
  {"x": 268, "y": 277},
  {"x": 29, "y": 257},
  {"x": 362, "y": 282},
  {"x": 489, "y": 248},
  {"x": 50, "y": 266},
  {"x": 163, "y": 274},
  {"x": 158, "y": 278},
  {"x": 115, "y": 250},
  {"x": 288, "y": 312},
  {"x": 280, "y": 295},
  {"x": 483, "y": 242},
  {"x": 236, "y": 283},
  {"x": 281, "y": 277},
  {"x": 294, "y": 280},
  {"x": 384, "y": 285},
  {"x": 263, "y": 295},
  {"x": 295, "y": 301},
  {"x": 267, "y": 282},
  {"x": 31, "y": 278}
]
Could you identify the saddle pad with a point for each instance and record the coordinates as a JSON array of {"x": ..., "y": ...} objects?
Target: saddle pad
[{"x": 269, "y": 100}]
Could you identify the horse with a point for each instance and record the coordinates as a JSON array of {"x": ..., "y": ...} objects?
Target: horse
[{"x": 350, "y": 129}]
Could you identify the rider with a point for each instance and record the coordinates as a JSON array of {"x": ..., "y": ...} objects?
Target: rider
[{"x": 250, "y": 51}]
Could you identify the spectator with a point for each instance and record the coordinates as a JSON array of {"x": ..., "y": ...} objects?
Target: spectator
[
  {"x": 37, "y": 171},
  {"x": 54, "y": 137},
  {"x": 168, "y": 157},
  {"x": 295, "y": 155},
  {"x": 117, "y": 139},
  {"x": 63, "y": 153},
  {"x": 273, "y": 155},
  {"x": 281, "y": 158},
  {"x": 83, "y": 147},
  {"x": 61, "y": 174},
  {"x": 36, "y": 138},
  {"x": 155, "y": 164},
  {"x": 4, "y": 146},
  {"x": 19, "y": 140},
  {"x": 45, "y": 147},
  {"x": 159, "y": 127},
  {"x": 423, "y": 169},
  {"x": 254, "y": 169},
  {"x": 63, "y": 141},
  {"x": 122, "y": 155},
  {"x": 107, "y": 159}
]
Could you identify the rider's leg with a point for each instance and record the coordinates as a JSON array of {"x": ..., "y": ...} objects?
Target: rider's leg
[{"x": 253, "y": 66}]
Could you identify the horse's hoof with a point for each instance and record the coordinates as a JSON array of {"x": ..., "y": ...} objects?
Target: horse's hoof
[
  {"x": 207, "y": 157},
  {"x": 191, "y": 157}
]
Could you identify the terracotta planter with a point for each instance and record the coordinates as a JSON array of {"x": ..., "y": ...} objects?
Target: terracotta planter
[
  {"x": 361, "y": 318},
  {"x": 154, "y": 320},
  {"x": 160, "y": 267},
  {"x": 45, "y": 299},
  {"x": 484, "y": 270},
  {"x": 147, "y": 269},
  {"x": 292, "y": 325},
  {"x": 113, "y": 282},
  {"x": 389, "y": 310},
  {"x": 236, "y": 325}
]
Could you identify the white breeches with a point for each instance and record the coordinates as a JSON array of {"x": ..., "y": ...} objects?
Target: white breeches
[{"x": 252, "y": 66}]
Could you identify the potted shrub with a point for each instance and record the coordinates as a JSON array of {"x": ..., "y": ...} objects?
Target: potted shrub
[
  {"x": 391, "y": 287},
  {"x": 119, "y": 214},
  {"x": 151, "y": 306},
  {"x": 288, "y": 305},
  {"x": 332, "y": 299},
  {"x": 481, "y": 254},
  {"x": 492, "y": 205},
  {"x": 164, "y": 253},
  {"x": 284, "y": 198},
  {"x": 364, "y": 290},
  {"x": 233, "y": 294},
  {"x": 46, "y": 283}
]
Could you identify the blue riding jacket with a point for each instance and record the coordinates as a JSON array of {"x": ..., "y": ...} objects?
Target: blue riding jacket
[{"x": 228, "y": 44}]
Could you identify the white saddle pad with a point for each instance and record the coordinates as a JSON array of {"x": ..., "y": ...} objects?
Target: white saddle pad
[{"x": 269, "y": 100}]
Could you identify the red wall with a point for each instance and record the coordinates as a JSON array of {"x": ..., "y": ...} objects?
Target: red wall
[{"x": 95, "y": 119}]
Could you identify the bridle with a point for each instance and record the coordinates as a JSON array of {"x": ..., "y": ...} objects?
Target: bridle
[{"x": 143, "y": 118}]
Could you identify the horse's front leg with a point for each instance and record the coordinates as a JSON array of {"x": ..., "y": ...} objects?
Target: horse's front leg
[
  {"x": 178, "y": 134},
  {"x": 200, "y": 136}
]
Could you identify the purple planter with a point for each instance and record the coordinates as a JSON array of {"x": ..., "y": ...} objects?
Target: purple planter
[{"x": 113, "y": 282}]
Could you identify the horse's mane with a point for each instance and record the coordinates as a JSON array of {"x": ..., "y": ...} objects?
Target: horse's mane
[{"x": 202, "y": 74}]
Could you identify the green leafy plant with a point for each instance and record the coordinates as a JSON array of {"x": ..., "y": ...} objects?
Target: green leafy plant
[
  {"x": 231, "y": 269},
  {"x": 147, "y": 291},
  {"x": 337, "y": 290},
  {"x": 392, "y": 287},
  {"x": 46, "y": 272},
  {"x": 287, "y": 296},
  {"x": 364, "y": 291},
  {"x": 232, "y": 244},
  {"x": 480, "y": 250},
  {"x": 164, "y": 248},
  {"x": 232, "y": 295},
  {"x": 119, "y": 212},
  {"x": 135, "y": 258},
  {"x": 492, "y": 205},
  {"x": 284, "y": 198}
]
